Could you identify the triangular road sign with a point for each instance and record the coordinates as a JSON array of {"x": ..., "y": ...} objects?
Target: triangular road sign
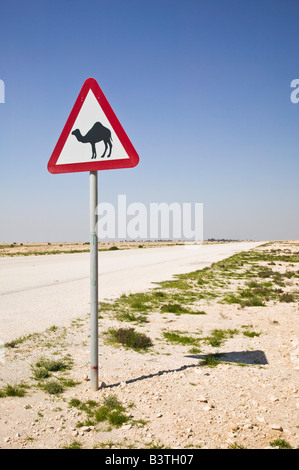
[{"x": 92, "y": 138}]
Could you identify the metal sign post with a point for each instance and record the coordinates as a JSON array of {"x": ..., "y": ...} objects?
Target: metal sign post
[{"x": 94, "y": 366}]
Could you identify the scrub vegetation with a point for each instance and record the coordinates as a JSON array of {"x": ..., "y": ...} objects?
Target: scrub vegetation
[
  {"x": 129, "y": 338},
  {"x": 13, "y": 390},
  {"x": 247, "y": 279},
  {"x": 111, "y": 411},
  {"x": 44, "y": 369}
]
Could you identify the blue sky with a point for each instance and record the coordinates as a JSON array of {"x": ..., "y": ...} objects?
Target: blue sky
[{"x": 202, "y": 89}]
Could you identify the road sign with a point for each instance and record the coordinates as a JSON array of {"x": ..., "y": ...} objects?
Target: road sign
[{"x": 92, "y": 138}]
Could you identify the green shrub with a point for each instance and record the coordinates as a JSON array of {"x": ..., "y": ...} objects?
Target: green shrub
[
  {"x": 251, "y": 334},
  {"x": 179, "y": 338},
  {"x": 40, "y": 373},
  {"x": 111, "y": 410},
  {"x": 73, "y": 445},
  {"x": 51, "y": 365},
  {"x": 210, "y": 361},
  {"x": 53, "y": 387},
  {"x": 13, "y": 391},
  {"x": 130, "y": 338},
  {"x": 286, "y": 297},
  {"x": 173, "y": 308},
  {"x": 219, "y": 336},
  {"x": 281, "y": 443},
  {"x": 131, "y": 317},
  {"x": 116, "y": 418}
]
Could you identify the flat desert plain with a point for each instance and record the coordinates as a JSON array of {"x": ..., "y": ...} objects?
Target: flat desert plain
[
  {"x": 29, "y": 249},
  {"x": 208, "y": 359}
]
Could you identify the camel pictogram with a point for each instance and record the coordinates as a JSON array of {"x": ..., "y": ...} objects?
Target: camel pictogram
[{"x": 97, "y": 133}]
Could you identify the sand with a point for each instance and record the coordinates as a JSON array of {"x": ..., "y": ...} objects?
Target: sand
[{"x": 250, "y": 399}]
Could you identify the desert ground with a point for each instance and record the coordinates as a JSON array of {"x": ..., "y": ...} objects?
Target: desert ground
[
  {"x": 49, "y": 248},
  {"x": 29, "y": 249},
  {"x": 208, "y": 359}
]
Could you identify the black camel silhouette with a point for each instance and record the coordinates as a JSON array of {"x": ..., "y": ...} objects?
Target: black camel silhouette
[{"x": 97, "y": 133}]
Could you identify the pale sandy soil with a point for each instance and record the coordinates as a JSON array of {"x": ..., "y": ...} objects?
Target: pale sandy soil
[
  {"x": 249, "y": 399},
  {"x": 25, "y": 249}
]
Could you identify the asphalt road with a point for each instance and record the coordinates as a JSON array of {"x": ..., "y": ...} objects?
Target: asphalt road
[{"x": 37, "y": 292}]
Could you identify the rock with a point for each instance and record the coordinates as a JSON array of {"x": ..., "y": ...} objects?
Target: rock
[
  {"x": 248, "y": 426},
  {"x": 126, "y": 426},
  {"x": 207, "y": 408},
  {"x": 86, "y": 428},
  {"x": 260, "y": 419},
  {"x": 202, "y": 399},
  {"x": 276, "y": 427},
  {"x": 229, "y": 441},
  {"x": 234, "y": 427},
  {"x": 224, "y": 366},
  {"x": 273, "y": 399}
]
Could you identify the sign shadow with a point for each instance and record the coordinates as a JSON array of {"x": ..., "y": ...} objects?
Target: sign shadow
[
  {"x": 257, "y": 357},
  {"x": 239, "y": 357}
]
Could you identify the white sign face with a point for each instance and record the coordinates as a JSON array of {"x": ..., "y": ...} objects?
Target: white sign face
[{"x": 80, "y": 143}]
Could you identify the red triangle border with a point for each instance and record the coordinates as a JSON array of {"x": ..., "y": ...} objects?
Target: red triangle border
[{"x": 133, "y": 160}]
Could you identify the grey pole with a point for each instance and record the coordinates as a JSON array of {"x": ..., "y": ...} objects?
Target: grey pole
[{"x": 94, "y": 374}]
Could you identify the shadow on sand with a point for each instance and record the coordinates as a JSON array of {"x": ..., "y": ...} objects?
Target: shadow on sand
[
  {"x": 243, "y": 357},
  {"x": 239, "y": 357}
]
